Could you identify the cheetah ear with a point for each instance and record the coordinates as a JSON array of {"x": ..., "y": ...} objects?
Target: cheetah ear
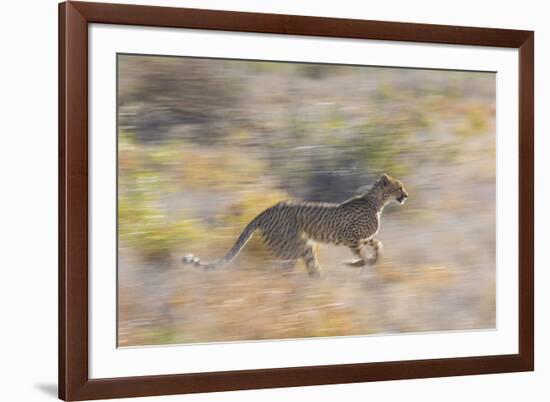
[{"x": 384, "y": 178}]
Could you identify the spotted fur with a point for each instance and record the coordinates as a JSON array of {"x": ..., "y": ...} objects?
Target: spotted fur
[{"x": 291, "y": 228}]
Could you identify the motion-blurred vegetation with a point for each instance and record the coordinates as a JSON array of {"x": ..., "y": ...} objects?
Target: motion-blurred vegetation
[{"x": 205, "y": 145}]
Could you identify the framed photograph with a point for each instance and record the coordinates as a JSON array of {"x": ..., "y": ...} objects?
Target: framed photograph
[{"x": 259, "y": 200}]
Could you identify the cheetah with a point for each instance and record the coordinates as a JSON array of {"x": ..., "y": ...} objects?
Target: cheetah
[{"x": 291, "y": 228}]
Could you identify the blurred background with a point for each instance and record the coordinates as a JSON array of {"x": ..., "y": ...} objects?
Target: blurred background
[{"x": 204, "y": 145}]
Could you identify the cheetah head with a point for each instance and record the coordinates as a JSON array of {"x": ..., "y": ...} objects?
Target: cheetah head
[{"x": 392, "y": 189}]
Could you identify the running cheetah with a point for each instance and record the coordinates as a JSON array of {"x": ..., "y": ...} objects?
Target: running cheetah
[{"x": 291, "y": 228}]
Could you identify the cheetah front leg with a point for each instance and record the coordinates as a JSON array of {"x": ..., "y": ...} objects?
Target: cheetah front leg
[{"x": 361, "y": 250}]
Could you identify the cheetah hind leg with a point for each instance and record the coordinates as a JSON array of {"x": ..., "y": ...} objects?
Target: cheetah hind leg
[
  {"x": 287, "y": 265},
  {"x": 312, "y": 265}
]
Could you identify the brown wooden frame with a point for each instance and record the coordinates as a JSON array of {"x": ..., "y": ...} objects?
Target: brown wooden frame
[{"x": 74, "y": 382}]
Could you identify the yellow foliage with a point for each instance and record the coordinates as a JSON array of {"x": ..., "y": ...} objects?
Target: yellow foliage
[
  {"x": 217, "y": 169},
  {"x": 475, "y": 120}
]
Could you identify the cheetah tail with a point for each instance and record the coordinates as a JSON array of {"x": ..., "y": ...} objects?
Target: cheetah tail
[{"x": 245, "y": 236}]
